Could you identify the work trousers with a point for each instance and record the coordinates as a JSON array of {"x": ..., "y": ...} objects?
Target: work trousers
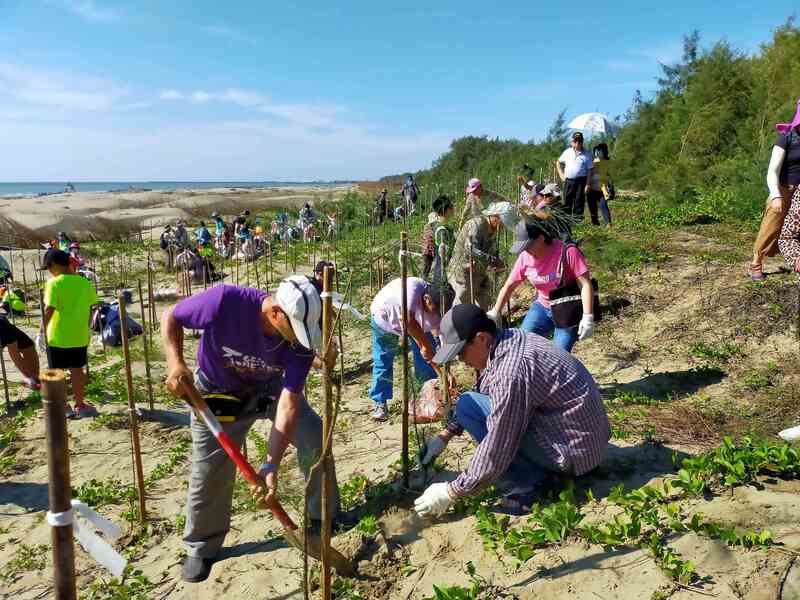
[
  {"x": 481, "y": 286},
  {"x": 385, "y": 347},
  {"x": 575, "y": 196},
  {"x": 766, "y": 243},
  {"x": 593, "y": 199},
  {"x": 531, "y": 464},
  {"x": 208, "y": 506}
]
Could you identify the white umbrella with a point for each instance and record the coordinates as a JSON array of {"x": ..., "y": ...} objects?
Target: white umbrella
[{"x": 593, "y": 122}]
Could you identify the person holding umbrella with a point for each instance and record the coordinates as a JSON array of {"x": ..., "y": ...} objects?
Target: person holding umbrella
[{"x": 574, "y": 167}]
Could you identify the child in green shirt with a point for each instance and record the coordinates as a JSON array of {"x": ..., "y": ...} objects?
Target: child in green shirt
[{"x": 68, "y": 300}]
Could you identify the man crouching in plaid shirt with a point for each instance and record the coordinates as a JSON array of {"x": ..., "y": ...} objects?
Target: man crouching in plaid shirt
[{"x": 536, "y": 409}]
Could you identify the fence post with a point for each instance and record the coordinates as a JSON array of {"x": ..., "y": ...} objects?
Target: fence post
[
  {"x": 404, "y": 350},
  {"x": 327, "y": 429},
  {"x": 134, "y": 421},
  {"x": 54, "y": 399}
]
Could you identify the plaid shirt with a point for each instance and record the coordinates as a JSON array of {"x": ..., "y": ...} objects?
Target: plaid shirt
[{"x": 535, "y": 385}]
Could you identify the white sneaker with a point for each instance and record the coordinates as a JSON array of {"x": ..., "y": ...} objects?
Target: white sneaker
[
  {"x": 791, "y": 434},
  {"x": 380, "y": 413}
]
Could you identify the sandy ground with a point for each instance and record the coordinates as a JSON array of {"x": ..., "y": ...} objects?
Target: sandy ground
[
  {"x": 629, "y": 352},
  {"x": 102, "y": 215}
]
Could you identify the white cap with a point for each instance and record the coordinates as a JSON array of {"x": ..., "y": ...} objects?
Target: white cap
[
  {"x": 504, "y": 210},
  {"x": 300, "y": 300}
]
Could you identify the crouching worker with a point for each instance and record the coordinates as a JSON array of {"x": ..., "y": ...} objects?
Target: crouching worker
[
  {"x": 423, "y": 300},
  {"x": 255, "y": 351},
  {"x": 536, "y": 410}
]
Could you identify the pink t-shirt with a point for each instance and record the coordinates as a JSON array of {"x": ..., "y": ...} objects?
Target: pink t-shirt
[{"x": 543, "y": 272}]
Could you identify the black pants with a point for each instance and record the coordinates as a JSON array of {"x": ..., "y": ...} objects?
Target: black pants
[
  {"x": 575, "y": 196},
  {"x": 426, "y": 269},
  {"x": 593, "y": 200}
]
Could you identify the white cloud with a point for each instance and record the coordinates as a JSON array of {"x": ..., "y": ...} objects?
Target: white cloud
[
  {"x": 170, "y": 95},
  {"x": 309, "y": 115},
  {"x": 90, "y": 11},
  {"x": 43, "y": 88}
]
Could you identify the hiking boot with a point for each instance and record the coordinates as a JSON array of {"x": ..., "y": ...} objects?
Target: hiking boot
[
  {"x": 380, "y": 413},
  {"x": 69, "y": 413},
  {"x": 196, "y": 569},
  {"x": 85, "y": 410}
]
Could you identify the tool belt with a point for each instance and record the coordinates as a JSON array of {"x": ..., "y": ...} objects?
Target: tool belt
[{"x": 228, "y": 408}]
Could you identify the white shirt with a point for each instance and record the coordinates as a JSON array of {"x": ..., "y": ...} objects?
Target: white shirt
[
  {"x": 576, "y": 164},
  {"x": 387, "y": 310}
]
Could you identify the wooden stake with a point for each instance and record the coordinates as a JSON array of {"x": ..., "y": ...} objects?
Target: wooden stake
[
  {"x": 327, "y": 422},
  {"x": 5, "y": 381},
  {"x": 134, "y": 421},
  {"x": 54, "y": 396},
  {"x": 404, "y": 350},
  {"x": 146, "y": 347}
]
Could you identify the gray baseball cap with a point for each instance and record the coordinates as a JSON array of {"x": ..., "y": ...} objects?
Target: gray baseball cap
[{"x": 459, "y": 325}]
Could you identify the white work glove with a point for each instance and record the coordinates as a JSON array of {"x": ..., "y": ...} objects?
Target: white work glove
[
  {"x": 432, "y": 448},
  {"x": 496, "y": 317},
  {"x": 586, "y": 327},
  {"x": 434, "y": 502}
]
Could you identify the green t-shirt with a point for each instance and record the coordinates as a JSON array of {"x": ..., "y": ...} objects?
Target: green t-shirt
[{"x": 72, "y": 297}]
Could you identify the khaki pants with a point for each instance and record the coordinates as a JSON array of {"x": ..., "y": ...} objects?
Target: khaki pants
[
  {"x": 766, "y": 243},
  {"x": 481, "y": 286}
]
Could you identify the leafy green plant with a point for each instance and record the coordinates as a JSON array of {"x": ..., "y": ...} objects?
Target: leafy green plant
[
  {"x": 133, "y": 585},
  {"x": 716, "y": 354},
  {"x": 479, "y": 589},
  {"x": 345, "y": 589},
  {"x": 26, "y": 558},
  {"x": 97, "y": 493},
  {"x": 368, "y": 525},
  {"x": 352, "y": 492}
]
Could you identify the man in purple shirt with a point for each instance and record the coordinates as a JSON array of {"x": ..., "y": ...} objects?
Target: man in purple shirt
[
  {"x": 257, "y": 349},
  {"x": 536, "y": 409}
]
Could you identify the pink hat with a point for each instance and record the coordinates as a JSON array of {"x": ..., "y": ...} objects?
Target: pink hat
[
  {"x": 787, "y": 127},
  {"x": 473, "y": 185}
]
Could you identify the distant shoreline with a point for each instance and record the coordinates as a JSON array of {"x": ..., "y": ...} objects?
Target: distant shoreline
[{"x": 34, "y": 189}]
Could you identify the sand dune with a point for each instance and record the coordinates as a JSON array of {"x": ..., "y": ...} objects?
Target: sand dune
[{"x": 101, "y": 215}]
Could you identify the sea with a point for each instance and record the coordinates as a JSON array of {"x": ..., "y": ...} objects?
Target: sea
[{"x": 37, "y": 188}]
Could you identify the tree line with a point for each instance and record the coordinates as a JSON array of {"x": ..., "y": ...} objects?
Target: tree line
[{"x": 704, "y": 137}]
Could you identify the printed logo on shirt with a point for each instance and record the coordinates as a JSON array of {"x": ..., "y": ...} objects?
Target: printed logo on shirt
[
  {"x": 542, "y": 279},
  {"x": 244, "y": 363}
]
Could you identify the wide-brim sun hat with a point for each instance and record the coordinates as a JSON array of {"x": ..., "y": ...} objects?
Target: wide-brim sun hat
[
  {"x": 521, "y": 238},
  {"x": 472, "y": 185},
  {"x": 300, "y": 300}
]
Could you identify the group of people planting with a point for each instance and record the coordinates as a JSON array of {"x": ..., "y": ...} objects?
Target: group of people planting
[{"x": 534, "y": 411}]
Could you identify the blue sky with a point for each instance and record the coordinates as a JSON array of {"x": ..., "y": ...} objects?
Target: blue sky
[{"x": 209, "y": 90}]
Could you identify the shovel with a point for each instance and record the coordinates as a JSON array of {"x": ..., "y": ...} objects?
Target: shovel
[{"x": 290, "y": 529}]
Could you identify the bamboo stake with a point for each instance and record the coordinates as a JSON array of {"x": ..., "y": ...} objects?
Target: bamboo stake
[
  {"x": 404, "y": 350},
  {"x": 54, "y": 393},
  {"x": 134, "y": 421},
  {"x": 146, "y": 347},
  {"x": 5, "y": 381},
  {"x": 327, "y": 421}
]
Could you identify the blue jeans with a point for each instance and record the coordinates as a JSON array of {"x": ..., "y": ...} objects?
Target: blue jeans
[
  {"x": 531, "y": 464},
  {"x": 539, "y": 320},
  {"x": 385, "y": 346}
]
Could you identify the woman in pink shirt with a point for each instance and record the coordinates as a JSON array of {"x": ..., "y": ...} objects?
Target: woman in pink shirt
[{"x": 539, "y": 252}]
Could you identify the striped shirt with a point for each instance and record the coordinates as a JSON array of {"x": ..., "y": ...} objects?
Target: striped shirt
[{"x": 535, "y": 385}]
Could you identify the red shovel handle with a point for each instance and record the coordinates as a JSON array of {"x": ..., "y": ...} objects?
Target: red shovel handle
[{"x": 247, "y": 471}]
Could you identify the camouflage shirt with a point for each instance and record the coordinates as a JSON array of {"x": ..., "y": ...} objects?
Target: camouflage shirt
[{"x": 477, "y": 232}]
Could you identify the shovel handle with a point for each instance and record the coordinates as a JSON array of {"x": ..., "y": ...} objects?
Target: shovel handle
[{"x": 247, "y": 471}]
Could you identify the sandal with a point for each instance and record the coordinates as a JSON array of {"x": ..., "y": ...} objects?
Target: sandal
[{"x": 756, "y": 272}]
